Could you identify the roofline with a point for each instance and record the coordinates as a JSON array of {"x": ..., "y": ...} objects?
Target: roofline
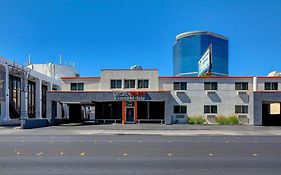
[
  {"x": 176, "y": 77},
  {"x": 80, "y": 78},
  {"x": 91, "y": 91},
  {"x": 127, "y": 69},
  {"x": 220, "y": 77},
  {"x": 268, "y": 91},
  {"x": 192, "y": 33}
]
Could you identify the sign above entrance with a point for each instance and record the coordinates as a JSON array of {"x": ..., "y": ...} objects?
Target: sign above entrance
[{"x": 130, "y": 96}]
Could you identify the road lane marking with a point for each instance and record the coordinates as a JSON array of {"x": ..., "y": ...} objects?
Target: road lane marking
[{"x": 39, "y": 154}]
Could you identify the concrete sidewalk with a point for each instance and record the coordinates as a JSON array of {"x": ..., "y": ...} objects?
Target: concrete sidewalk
[{"x": 146, "y": 129}]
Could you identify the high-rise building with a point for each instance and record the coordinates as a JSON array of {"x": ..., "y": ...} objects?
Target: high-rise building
[{"x": 191, "y": 46}]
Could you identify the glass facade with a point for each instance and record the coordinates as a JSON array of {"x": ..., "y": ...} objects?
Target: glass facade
[{"x": 188, "y": 50}]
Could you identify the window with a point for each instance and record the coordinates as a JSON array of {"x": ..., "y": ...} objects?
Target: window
[
  {"x": 210, "y": 109},
  {"x": 15, "y": 94},
  {"x": 31, "y": 99},
  {"x": 271, "y": 86},
  {"x": 180, "y": 109},
  {"x": 129, "y": 84},
  {"x": 241, "y": 86},
  {"x": 241, "y": 109},
  {"x": 180, "y": 86},
  {"x": 116, "y": 84},
  {"x": 143, "y": 83},
  {"x": 77, "y": 86},
  {"x": 210, "y": 86}
]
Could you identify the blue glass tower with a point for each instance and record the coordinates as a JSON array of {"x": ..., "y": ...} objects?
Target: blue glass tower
[{"x": 189, "y": 48}]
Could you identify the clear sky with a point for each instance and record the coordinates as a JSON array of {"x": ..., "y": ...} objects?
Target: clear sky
[{"x": 120, "y": 33}]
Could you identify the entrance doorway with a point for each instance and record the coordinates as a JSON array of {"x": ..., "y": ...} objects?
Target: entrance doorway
[
  {"x": 75, "y": 113},
  {"x": 130, "y": 112},
  {"x": 271, "y": 114}
]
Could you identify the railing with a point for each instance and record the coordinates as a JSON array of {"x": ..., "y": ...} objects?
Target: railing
[
  {"x": 106, "y": 120},
  {"x": 13, "y": 112},
  {"x": 162, "y": 121}
]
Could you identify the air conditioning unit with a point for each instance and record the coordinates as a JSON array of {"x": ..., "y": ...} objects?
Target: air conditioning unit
[
  {"x": 243, "y": 119},
  {"x": 180, "y": 119},
  {"x": 180, "y": 116},
  {"x": 242, "y": 92},
  {"x": 210, "y": 92},
  {"x": 211, "y": 118}
]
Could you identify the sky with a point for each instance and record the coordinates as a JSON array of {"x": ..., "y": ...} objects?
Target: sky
[{"x": 109, "y": 34}]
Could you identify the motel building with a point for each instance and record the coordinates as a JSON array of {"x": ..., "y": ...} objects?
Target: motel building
[
  {"x": 49, "y": 94},
  {"x": 142, "y": 96}
]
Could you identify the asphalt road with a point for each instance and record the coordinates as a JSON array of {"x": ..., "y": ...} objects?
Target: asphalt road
[{"x": 136, "y": 154}]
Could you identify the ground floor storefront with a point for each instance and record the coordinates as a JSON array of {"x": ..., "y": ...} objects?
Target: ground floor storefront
[
  {"x": 147, "y": 107},
  {"x": 111, "y": 107}
]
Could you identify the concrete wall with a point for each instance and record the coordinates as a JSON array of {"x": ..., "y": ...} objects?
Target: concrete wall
[
  {"x": 151, "y": 75},
  {"x": 54, "y": 70},
  {"x": 259, "y": 98},
  {"x": 195, "y": 97},
  {"x": 89, "y": 84}
]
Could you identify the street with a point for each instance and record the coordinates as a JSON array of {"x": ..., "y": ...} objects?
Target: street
[{"x": 139, "y": 154}]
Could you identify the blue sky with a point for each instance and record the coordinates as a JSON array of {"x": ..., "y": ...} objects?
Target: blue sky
[{"x": 119, "y": 33}]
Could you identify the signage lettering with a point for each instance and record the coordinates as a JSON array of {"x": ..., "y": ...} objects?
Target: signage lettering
[{"x": 130, "y": 96}]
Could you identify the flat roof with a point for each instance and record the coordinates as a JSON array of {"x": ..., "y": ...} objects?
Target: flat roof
[
  {"x": 176, "y": 77},
  {"x": 192, "y": 33},
  {"x": 129, "y": 69},
  {"x": 80, "y": 78}
]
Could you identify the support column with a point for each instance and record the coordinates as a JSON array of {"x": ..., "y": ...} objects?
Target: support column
[
  {"x": 136, "y": 111},
  {"x": 38, "y": 98},
  {"x": 49, "y": 104},
  {"x": 255, "y": 84},
  {"x": 123, "y": 111},
  {"x": 7, "y": 100},
  {"x": 23, "y": 99}
]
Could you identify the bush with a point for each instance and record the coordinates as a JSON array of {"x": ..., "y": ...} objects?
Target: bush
[
  {"x": 230, "y": 120},
  {"x": 197, "y": 119}
]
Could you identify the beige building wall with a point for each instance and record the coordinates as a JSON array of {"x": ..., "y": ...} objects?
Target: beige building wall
[{"x": 129, "y": 74}]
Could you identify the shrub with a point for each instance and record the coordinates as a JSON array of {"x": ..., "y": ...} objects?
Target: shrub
[
  {"x": 197, "y": 119},
  {"x": 233, "y": 120},
  {"x": 229, "y": 120}
]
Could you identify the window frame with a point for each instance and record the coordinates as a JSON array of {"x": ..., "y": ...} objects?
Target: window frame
[
  {"x": 244, "y": 86},
  {"x": 116, "y": 84},
  {"x": 180, "y": 109},
  {"x": 210, "y": 109},
  {"x": 77, "y": 86},
  {"x": 210, "y": 86},
  {"x": 271, "y": 85},
  {"x": 241, "y": 109},
  {"x": 141, "y": 83},
  {"x": 180, "y": 85},
  {"x": 129, "y": 83}
]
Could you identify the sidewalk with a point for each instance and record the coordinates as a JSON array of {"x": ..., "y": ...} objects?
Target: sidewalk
[{"x": 146, "y": 129}]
